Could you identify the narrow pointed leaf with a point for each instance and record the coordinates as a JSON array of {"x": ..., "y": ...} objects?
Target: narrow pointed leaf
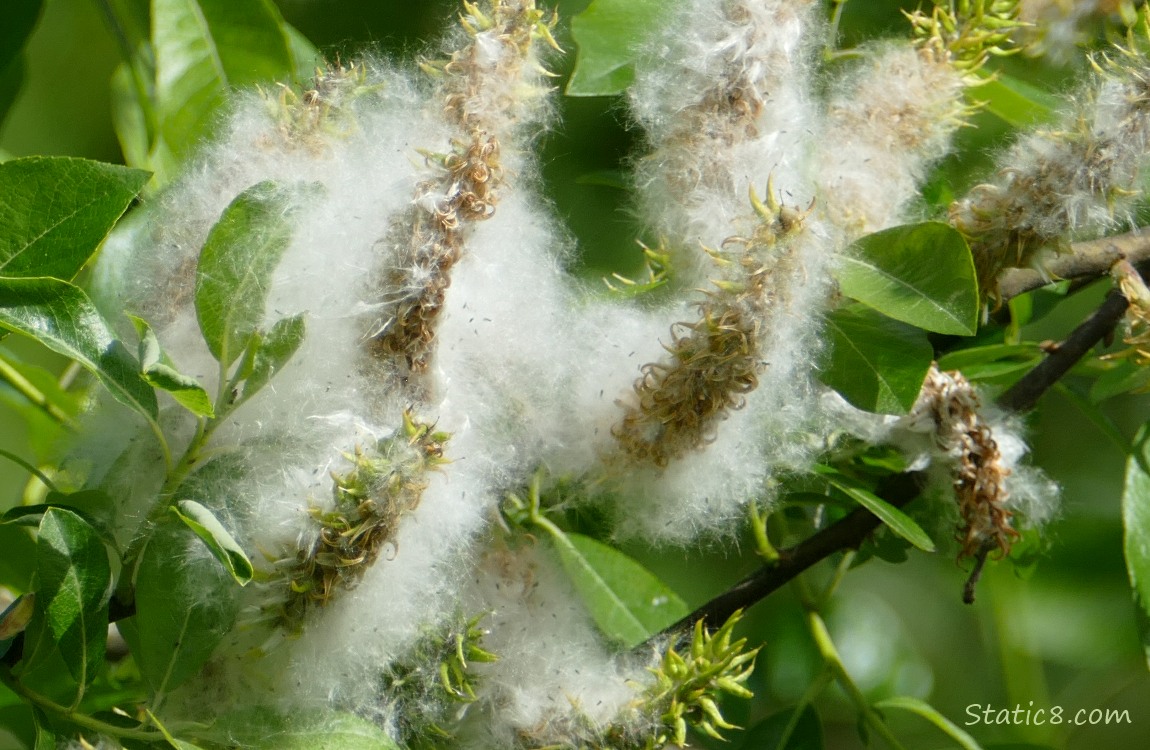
[
  {"x": 1136, "y": 528},
  {"x": 61, "y": 317},
  {"x": 57, "y": 210},
  {"x": 899, "y": 522},
  {"x": 208, "y": 528},
  {"x": 876, "y": 363},
  {"x": 74, "y": 579},
  {"x": 922, "y": 274},
  {"x": 627, "y": 602},
  {"x": 236, "y": 264}
]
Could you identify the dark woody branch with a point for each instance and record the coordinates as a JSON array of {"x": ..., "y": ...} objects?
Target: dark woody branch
[{"x": 1090, "y": 259}]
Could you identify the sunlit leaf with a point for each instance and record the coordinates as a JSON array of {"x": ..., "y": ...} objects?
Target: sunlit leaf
[
  {"x": 876, "y": 363},
  {"x": 203, "y": 48},
  {"x": 160, "y": 372},
  {"x": 61, "y": 317},
  {"x": 184, "y": 607},
  {"x": 236, "y": 264},
  {"x": 56, "y": 210},
  {"x": 273, "y": 351},
  {"x": 922, "y": 274},
  {"x": 1017, "y": 102},
  {"x": 606, "y": 33},
  {"x": 627, "y": 602},
  {"x": 74, "y": 577},
  {"x": 208, "y": 528},
  {"x": 85, "y": 503}
]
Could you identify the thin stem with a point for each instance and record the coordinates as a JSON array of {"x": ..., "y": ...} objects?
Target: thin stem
[
  {"x": 830, "y": 654},
  {"x": 73, "y": 716},
  {"x": 23, "y": 386},
  {"x": 837, "y": 576},
  {"x": 30, "y": 469},
  {"x": 830, "y": 52}
]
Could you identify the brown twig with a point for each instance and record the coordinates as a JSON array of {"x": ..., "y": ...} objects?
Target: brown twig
[
  {"x": 1089, "y": 259},
  {"x": 851, "y": 531},
  {"x": 847, "y": 533},
  {"x": 1023, "y": 395}
]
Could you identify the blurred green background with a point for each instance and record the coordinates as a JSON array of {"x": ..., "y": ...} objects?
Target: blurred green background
[{"x": 1066, "y": 635}]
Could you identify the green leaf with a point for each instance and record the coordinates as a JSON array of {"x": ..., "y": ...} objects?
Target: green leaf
[
  {"x": 273, "y": 351},
  {"x": 606, "y": 33},
  {"x": 208, "y": 528},
  {"x": 130, "y": 117},
  {"x": 1125, "y": 377},
  {"x": 236, "y": 264},
  {"x": 899, "y": 522},
  {"x": 74, "y": 581},
  {"x": 202, "y": 49},
  {"x": 159, "y": 371},
  {"x": 805, "y": 734},
  {"x": 876, "y": 363},
  {"x": 33, "y": 515},
  {"x": 1015, "y": 101},
  {"x": 922, "y": 274},
  {"x": 1136, "y": 525},
  {"x": 994, "y": 361},
  {"x": 61, "y": 317},
  {"x": 307, "y": 57},
  {"x": 264, "y": 729},
  {"x": 20, "y": 18},
  {"x": 931, "y": 714},
  {"x": 184, "y": 608},
  {"x": 627, "y": 602},
  {"x": 45, "y": 739},
  {"x": 57, "y": 210}
]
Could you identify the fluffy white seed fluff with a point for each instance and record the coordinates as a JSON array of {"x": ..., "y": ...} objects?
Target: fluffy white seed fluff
[
  {"x": 723, "y": 91},
  {"x": 886, "y": 124}
]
